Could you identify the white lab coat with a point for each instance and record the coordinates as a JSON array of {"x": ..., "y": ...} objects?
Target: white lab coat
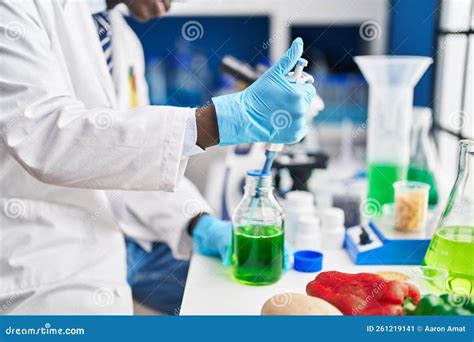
[{"x": 66, "y": 131}]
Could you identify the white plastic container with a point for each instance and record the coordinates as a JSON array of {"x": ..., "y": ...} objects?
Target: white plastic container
[
  {"x": 332, "y": 227},
  {"x": 297, "y": 204},
  {"x": 308, "y": 236},
  {"x": 391, "y": 80}
]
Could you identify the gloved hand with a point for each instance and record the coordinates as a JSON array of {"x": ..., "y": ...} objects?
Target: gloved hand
[
  {"x": 271, "y": 110},
  {"x": 213, "y": 237}
]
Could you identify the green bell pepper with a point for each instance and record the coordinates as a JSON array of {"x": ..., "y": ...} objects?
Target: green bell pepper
[{"x": 443, "y": 305}]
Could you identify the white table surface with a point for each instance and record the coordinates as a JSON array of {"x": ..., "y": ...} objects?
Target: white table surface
[{"x": 211, "y": 289}]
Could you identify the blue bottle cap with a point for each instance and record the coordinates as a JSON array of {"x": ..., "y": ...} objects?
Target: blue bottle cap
[
  {"x": 258, "y": 173},
  {"x": 308, "y": 261}
]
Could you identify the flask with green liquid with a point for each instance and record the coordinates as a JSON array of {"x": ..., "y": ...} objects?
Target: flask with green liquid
[
  {"x": 258, "y": 233},
  {"x": 423, "y": 153},
  {"x": 452, "y": 246}
]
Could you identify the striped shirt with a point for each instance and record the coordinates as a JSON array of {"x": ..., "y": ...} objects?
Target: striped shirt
[{"x": 104, "y": 29}]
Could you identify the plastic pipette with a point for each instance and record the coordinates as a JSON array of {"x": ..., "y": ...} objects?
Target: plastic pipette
[
  {"x": 298, "y": 76},
  {"x": 271, "y": 149}
]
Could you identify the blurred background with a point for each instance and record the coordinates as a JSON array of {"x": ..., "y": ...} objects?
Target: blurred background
[{"x": 184, "y": 53}]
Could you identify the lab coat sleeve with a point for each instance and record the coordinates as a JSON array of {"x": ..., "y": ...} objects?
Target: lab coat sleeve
[
  {"x": 58, "y": 140},
  {"x": 158, "y": 216}
]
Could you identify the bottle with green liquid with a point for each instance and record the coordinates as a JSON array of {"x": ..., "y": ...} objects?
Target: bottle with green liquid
[
  {"x": 258, "y": 233},
  {"x": 452, "y": 246}
]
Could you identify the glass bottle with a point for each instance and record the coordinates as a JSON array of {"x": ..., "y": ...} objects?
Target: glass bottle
[
  {"x": 452, "y": 246},
  {"x": 422, "y": 166},
  {"x": 258, "y": 233}
]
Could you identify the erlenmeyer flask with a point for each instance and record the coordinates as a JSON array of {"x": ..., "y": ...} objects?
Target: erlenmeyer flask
[
  {"x": 452, "y": 246},
  {"x": 423, "y": 159},
  {"x": 391, "y": 82}
]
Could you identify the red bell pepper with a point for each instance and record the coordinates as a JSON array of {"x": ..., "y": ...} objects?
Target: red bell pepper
[{"x": 362, "y": 293}]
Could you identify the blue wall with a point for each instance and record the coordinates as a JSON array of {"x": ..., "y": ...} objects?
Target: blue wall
[
  {"x": 412, "y": 32},
  {"x": 164, "y": 43}
]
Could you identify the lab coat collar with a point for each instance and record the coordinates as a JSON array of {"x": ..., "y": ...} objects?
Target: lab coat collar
[{"x": 119, "y": 50}]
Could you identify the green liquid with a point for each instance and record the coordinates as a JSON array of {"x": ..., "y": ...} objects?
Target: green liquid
[
  {"x": 425, "y": 176},
  {"x": 452, "y": 248},
  {"x": 258, "y": 254},
  {"x": 381, "y": 179}
]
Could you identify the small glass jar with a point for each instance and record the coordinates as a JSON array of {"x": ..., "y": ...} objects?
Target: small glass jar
[
  {"x": 411, "y": 205},
  {"x": 258, "y": 233}
]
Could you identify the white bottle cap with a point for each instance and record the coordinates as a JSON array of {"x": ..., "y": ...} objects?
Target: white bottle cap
[
  {"x": 331, "y": 217},
  {"x": 304, "y": 242},
  {"x": 300, "y": 198},
  {"x": 308, "y": 235},
  {"x": 332, "y": 239},
  {"x": 308, "y": 225}
]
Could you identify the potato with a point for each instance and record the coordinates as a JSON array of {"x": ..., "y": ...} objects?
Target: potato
[
  {"x": 288, "y": 304},
  {"x": 392, "y": 275}
]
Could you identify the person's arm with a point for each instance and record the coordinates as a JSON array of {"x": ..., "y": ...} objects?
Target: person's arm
[
  {"x": 60, "y": 141},
  {"x": 207, "y": 129},
  {"x": 271, "y": 110}
]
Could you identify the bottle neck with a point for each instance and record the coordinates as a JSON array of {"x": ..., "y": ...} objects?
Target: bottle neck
[
  {"x": 459, "y": 210},
  {"x": 258, "y": 185},
  {"x": 466, "y": 158},
  {"x": 420, "y": 147},
  {"x": 465, "y": 178}
]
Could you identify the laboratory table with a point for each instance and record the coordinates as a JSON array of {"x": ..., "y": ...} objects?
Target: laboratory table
[{"x": 211, "y": 289}]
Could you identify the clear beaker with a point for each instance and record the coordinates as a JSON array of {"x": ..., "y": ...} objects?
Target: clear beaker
[
  {"x": 452, "y": 246},
  {"x": 423, "y": 158},
  {"x": 430, "y": 279},
  {"x": 411, "y": 205},
  {"x": 391, "y": 82},
  {"x": 258, "y": 233}
]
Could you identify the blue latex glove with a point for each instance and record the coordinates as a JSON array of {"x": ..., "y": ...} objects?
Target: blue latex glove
[
  {"x": 271, "y": 110},
  {"x": 213, "y": 237}
]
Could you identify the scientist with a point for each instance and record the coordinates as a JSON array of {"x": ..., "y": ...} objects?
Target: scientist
[{"x": 75, "y": 127}]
